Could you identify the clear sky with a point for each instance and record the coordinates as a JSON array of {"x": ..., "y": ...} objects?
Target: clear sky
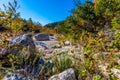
[{"x": 44, "y": 11}]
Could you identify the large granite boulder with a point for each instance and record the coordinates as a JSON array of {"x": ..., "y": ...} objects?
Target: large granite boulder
[
  {"x": 44, "y": 37},
  {"x": 24, "y": 40},
  {"x": 65, "y": 75},
  {"x": 52, "y": 37}
]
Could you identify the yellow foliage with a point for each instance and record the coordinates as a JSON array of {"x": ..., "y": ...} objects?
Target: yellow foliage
[{"x": 17, "y": 24}]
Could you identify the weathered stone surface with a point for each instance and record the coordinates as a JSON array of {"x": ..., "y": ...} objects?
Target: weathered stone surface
[
  {"x": 116, "y": 72},
  {"x": 58, "y": 46},
  {"x": 52, "y": 37},
  {"x": 45, "y": 44},
  {"x": 118, "y": 61},
  {"x": 104, "y": 53},
  {"x": 44, "y": 37},
  {"x": 5, "y": 51},
  {"x": 12, "y": 76},
  {"x": 23, "y": 40},
  {"x": 41, "y": 37},
  {"x": 103, "y": 69},
  {"x": 67, "y": 43},
  {"x": 65, "y": 75},
  {"x": 40, "y": 43},
  {"x": 14, "y": 41}
]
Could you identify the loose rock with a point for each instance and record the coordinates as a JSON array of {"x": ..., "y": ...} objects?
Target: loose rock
[{"x": 65, "y": 75}]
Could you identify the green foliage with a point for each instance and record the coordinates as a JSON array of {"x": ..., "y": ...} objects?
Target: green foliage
[
  {"x": 98, "y": 78},
  {"x": 62, "y": 62},
  {"x": 117, "y": 67},
  {"x": 82, "y": 27},
  {"x": 10, "y": 19},
  {"x": 115, "y": 23},
  {"x": 116, "y": 42},
  {"x": 12, "y": 8},
  {"x": 16, "y": 25},
  {"x": 87, "y": 48},
  {"x": 91, "y": 17},
  {"x": 1, "y": 76},
  {"x": 112, "y": 7},
  {"x": 112, "y": 77},
  {"x": 53, "y": 25}
]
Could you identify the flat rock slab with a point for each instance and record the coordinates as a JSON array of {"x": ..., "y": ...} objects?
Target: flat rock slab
[
  {"x": 45, "y": 44},
  {"x": 65, "y": 75}
]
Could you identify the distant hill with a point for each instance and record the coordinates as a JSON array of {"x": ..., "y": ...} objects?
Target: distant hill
[{"x": 53, "y": 25}]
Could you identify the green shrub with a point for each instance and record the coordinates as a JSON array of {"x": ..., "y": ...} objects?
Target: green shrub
[
  {"x": 1, "y": 76},
  {"x": 115, "y": 23},
  {"x": 87, "y": 48},
  {"x": 116, "y": 42},
  {"x": 61, "y": 63}
]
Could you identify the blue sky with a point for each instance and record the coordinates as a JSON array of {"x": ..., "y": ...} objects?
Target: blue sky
[{"x": 44, "y": 11}]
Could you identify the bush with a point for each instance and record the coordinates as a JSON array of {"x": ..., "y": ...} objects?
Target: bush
[
  {"x": 61, "y": 63},
  {"x": 116, "y": 42}
]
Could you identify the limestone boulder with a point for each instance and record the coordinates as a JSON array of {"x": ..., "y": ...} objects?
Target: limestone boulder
[
  {"x": 65, "y": 75},
  {"x": 24, "y": 40}
]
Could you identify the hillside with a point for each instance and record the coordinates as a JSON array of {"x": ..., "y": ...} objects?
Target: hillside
[
  {"x": 85, "y": 46},
  {"x": 53, "y": 25}
]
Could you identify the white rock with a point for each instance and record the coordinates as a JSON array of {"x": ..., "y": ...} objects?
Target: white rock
[
  {"x": 65, "y": 75},
  {"x": 118, "y": 62},
  {"x": 67, "y": 43},
  {"x": 24, "y": 40},
  {"x": 52, "y": 37},
  {"x": 104, "y": 53},
  {"x": 58, "y": 46},
  {"x": 10, "y": 76},
  {"x": 103, "y": 69},
  {"x": 41, "y": 37},
  {"x": 116, "y": 72}
]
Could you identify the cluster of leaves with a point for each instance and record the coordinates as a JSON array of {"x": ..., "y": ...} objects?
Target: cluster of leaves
[
  {"x": 116, "y": 42},
  {"x": 30, "y": 61},
  {"x": 61, "y": 62},
  {"x": 91, "y": 17},
  {"x": 11, "y": 20},
  {"x": 86, "y": 20}
]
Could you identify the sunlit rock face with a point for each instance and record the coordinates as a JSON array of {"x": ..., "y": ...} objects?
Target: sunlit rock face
[
  {"x": 44, "y": 41},
  {"x": 12, "y": 76},
  {"x": 44, "y": 37},
  {"x": 65, "y": 75},
  {"x": 23, "y": 40},
  {"x": 67, "y": 43}
]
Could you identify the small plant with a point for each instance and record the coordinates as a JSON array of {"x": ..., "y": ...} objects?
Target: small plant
[
  {"x": 61, "y": 63},
  {"x": 1, "y": 76},
  {"x": 87, "y": 48},
  {"x": 98, "y": 78},
  {"x": 116, "y": 42}
]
